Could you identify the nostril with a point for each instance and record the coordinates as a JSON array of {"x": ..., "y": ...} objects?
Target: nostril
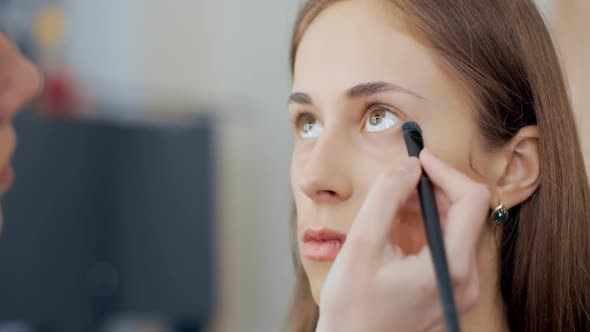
[{"x": 327, "y": 196}]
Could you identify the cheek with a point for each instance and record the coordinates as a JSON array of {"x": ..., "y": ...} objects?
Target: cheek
[
  {"x": 408, "y": 232},
  {"x": 297, "y": 168},
  {"x": 383, "y": 147},
  {"x": 293, "y": 177},
  {"x": 316, "y": 275},
  {"x": 378, "y": 153},
  {"x": 452, "y": 137}
]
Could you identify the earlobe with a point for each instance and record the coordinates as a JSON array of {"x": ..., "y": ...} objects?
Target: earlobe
[{"x": 522, "y": 171}]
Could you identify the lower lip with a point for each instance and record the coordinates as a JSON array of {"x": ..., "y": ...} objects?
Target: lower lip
[{"x": 319, "y": 250}]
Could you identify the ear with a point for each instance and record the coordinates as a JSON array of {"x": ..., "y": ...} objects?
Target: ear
[{"x": 520, "y": 170}]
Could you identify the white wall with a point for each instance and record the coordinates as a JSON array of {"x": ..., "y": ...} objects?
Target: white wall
[
  {"x": 101, "y": 45},
  {"x": 230, "y": 56},
  {"x": 572, "y": 25},
  {"x": 546, "y": 7}
]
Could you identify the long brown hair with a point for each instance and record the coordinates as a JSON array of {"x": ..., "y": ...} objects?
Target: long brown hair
[{"x": 502, "y": 54}]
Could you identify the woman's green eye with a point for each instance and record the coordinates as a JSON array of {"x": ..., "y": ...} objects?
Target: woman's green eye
[
  {"x": 309, "y": 126},
  {"x": 380, "y": 119}
]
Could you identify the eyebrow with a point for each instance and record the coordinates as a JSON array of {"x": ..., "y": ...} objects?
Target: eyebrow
[
  {"x": 300, "y": 98},
  {"x": 358, "y": 91}
]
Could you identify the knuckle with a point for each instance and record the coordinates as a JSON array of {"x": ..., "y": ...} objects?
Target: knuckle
[
  {"x": 460, "y": 277},
  {"x": 427, "y": 289}
]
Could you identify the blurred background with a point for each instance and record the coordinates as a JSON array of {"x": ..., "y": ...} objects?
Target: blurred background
[{"x": 152, "y": 191}]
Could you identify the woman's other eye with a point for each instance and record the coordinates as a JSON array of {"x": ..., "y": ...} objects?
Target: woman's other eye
[
  {"x": 380, "y": 118},
  {"x": 309, "y": 126}
]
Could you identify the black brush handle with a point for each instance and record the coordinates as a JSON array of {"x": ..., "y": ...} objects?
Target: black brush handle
[
  {"x": 438, "y": 252},
  {"x": 414, "y": 143}
]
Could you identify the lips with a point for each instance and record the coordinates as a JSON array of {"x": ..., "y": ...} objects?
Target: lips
[{"x": 322, "y": 245}]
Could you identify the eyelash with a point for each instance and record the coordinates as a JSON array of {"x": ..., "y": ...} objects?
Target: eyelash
[{"x": 300, "y": 115}]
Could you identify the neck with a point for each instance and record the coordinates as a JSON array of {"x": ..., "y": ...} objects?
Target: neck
[{"x": 488, "y": 315}]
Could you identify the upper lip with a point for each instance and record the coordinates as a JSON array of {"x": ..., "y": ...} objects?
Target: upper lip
[{"x": 324, "y": 234}]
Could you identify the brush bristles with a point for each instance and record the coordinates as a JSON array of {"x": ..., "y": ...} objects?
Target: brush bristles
[{"x": 411, "y": 126}]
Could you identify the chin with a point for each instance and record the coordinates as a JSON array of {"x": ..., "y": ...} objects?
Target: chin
[
  {"x": 316, "y": 289},
  {"x": 316, "y": 275}
]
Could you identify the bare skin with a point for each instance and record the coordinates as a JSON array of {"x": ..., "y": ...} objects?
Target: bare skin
[
  {"x": 359, "y": 74},
  {"x": 20, "y": 81}
]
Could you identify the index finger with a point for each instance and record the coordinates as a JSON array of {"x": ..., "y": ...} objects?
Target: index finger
[
  {"x": 370, "y": 231},
  {"x": 467, "y": 213}
]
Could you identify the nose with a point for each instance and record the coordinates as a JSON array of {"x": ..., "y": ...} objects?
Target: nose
[{"x": 326, "y": 177}]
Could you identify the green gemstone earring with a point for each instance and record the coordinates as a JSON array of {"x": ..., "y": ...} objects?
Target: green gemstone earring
[{"x": 500, "y": 214}]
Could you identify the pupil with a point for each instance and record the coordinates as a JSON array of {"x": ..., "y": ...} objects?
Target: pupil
[
  {"x": 377, "y": 117},
  {"x": 308, "y": 126}
]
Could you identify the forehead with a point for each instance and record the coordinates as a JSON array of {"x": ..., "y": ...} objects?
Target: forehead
[{"x": 360, "y": 41}]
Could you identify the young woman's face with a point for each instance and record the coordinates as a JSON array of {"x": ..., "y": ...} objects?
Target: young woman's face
[{"x": 358, "y": 76}]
